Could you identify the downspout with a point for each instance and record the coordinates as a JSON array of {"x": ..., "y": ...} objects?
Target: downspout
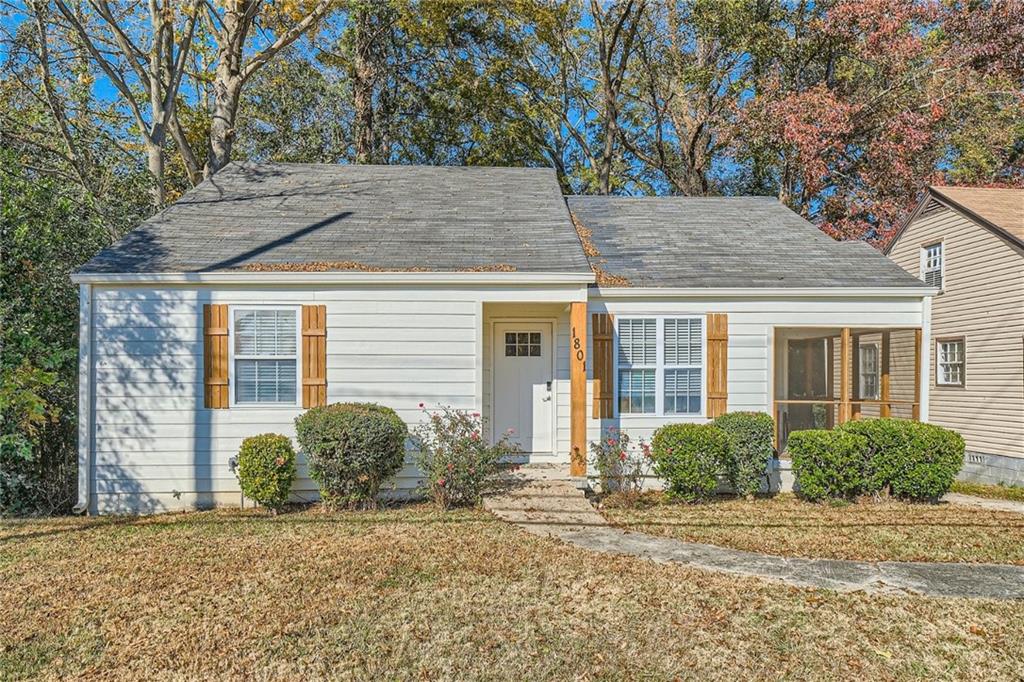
[{"x": 85, "y": 411}]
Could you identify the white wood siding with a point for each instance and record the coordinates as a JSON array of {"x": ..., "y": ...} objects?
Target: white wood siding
[
  {"x": 751, "y": 332},
  {"x": 154, "y": 445},
  {"x": 983, "y": 301}
]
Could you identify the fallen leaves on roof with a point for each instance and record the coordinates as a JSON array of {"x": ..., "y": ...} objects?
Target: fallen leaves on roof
[
  {"x": 349, "y": 265},
  {"x": 590, "y": 249}
]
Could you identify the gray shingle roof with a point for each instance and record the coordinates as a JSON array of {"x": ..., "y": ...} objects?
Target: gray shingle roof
[
  {"x": 387, "y": 217},
  {"x": 725, "y": 242}
]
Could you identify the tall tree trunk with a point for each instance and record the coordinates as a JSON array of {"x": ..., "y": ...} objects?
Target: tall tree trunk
[
  {"x": 227, "y": 89},
  {"x": 363, "y": 81}
]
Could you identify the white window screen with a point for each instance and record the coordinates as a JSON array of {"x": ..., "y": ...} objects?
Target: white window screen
[
  {"x": 638, "y": 342},
  {"x": 933, "y": 265},
  {"x": 950, "y": 371},
  {"x": 266, "y": 356}
]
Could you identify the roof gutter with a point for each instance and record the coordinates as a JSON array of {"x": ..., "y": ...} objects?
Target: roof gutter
[
  {"x": 766, "y": 292},
  {"x": 358, "y": 277}
]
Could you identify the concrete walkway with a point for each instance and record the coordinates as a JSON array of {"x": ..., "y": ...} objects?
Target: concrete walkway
[
  {"x": 545, "y": 503},
  {"x": 984, "y": 503}
]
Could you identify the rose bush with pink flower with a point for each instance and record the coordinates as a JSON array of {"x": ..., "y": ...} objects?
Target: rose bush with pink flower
[
  {"x": 621, "y": 467},
  {"x": 457, "y": 461}
]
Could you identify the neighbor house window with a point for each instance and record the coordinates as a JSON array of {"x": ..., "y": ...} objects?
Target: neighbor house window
[
  {"x": 868, "y": 372},
  {"x": 660, "y": 363},
  {"x": 950, "y": 368},
  {"x": 931, "y": 265},
  {"x": 265, "y": 347}
]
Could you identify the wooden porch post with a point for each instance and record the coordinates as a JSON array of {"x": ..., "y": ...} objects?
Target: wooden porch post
[
  {"x": 916, "y": 410},
  {"x": 844, "y": 376},
  {"x": 578, "y": 389},
  {"x": 884, "y": 410}
]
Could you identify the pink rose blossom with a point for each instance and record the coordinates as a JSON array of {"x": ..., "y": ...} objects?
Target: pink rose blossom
[
  {"x": 440, "y": 482},
  {"x": 475, "y": 436}
]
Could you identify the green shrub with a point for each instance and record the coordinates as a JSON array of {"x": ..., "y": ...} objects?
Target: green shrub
[
  {"x": 689, "y": 458},
  {"x": 911, "y": 459},
  {"x": 352, "y": 449},
  {"x": 828, "y": 464},
  {"x": 751, "y": 436},
  {"x": 266, "y": 469},
  {"x": 458, "y": 462}
]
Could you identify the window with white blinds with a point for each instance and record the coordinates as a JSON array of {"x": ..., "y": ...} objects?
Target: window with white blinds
[
  {"x": 265, "y": 345},
  {"x": 638, "y": 360},
  {"x": 660, "y": 365},
  {"x": 931, "y": 265}
]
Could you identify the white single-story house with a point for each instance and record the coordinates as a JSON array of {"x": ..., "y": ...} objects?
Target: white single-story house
[{"x": 272, "y": 288}]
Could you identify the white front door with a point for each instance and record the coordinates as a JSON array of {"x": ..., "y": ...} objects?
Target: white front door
[{"x": 523, "y": 374}]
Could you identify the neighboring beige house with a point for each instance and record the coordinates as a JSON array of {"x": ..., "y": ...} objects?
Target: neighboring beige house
[{"x": 970, "y": 242}]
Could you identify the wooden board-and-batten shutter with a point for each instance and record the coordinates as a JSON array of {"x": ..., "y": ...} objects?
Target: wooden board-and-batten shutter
[
  {"x": 604, "y": 383},
  {"x": 314, "y": 355},
  {"x": 215, "y": 356},
  {"x": 718, "y": 362}
]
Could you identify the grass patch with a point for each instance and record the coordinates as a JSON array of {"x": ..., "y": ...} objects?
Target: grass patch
[
  {"x": 866, "y": 530},
  {"x": 1014, "y": 493},
  {"x": 412, "y": 593}
]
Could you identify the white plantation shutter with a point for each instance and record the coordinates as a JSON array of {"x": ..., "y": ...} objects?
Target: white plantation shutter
[
  {"x": 682, "y": 341},
  {"x": 638, "y": 342}
]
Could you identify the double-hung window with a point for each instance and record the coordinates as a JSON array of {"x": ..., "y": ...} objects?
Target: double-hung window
[
  {"x": 265, "y": 355},
  {"x": 660, "y": 365},
  {"x": 868, "y": 378},
  {"x": 950, "y": 367},
  {"x": 931, "y": 265}
]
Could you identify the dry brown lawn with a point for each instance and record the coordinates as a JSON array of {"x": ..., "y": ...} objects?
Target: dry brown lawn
[
  {"x": 866, "y": 530},
  {"x": 416, "y": 594}
]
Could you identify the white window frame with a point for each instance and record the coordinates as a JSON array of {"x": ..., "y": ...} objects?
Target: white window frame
[
  {"x": 941, "y": 245},
  {"x": 232, "y": 403},
  {"x": 939, "y": 378},
  {"x": 877, "y": 374},
  {"x": 659, "y": 367}
]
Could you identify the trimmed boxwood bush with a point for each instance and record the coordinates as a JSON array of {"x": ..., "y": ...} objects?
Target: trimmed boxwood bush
[
  {"x": 352, "y": 449},
  {"x": 751, "y": 436},
  {"x": 689, "y": 457},
  {"x": 266, "y": 469},
  {"x": 911, "y": 459},
  {"x": 828, "y": 464}
]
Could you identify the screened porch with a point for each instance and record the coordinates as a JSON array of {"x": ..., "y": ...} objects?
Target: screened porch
[{"x": 826, "y": 376}]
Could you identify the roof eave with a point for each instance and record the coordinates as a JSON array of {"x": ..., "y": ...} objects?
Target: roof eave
[
  {"x": 767, "y": 292},
  {"x": 339, "y": 277}
]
